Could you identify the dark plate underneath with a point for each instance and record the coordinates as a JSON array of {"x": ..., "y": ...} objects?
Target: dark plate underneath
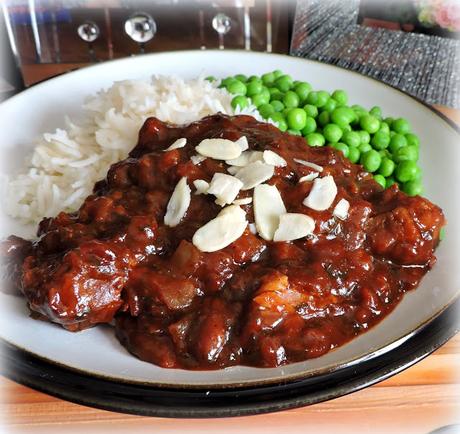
[{"x": 146, "y": 400}]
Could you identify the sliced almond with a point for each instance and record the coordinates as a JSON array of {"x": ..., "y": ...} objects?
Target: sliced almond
[
  {"x": 341, "y": 209},
  {"x": 243, "y": 201},
  {"x": 309, "y": 177},
  {"x": 179, "y": 143},
  {"x": 221, "y": 231},
  {"x": 219, "y": 149},
  {"x": 201, "y": 186},
  {"x": 197, "y": 159},
  {"x": 243, "y": 143},
  {"x": 309, "y": 164},
  {"x": 293, "y": 226},
  {"x": 274, "y": 159},
  {"x": 322, "y": 194},
  {"x": 245, "y": 158},
  {"x": 268, "y": 207},
  {"x": 225, "y": 188},
  {"x": 252, "y": 228},
  {"x": 178, "y": 203},
  {"x": 233, "y": 170},
  {"x": 254, "y": 174}
]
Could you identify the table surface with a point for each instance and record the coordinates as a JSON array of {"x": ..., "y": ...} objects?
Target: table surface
[{"x": 420, "y": 399}]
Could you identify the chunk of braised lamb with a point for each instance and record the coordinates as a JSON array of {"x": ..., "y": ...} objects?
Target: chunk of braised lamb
[{"x": 80, "y": 289}]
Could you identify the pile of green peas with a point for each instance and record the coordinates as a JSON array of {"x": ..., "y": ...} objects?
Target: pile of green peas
[{"x": 385, "y": 147}]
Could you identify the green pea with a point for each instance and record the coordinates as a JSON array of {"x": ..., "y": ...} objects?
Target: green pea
[
  {"x": 387, "y": 167},
  {"x": 268, "y": 79},
  {"x": 239, "y": 101},
  {"x": 296, "y": 119},
  {"x": 311, "y": 110},
  {"x": 277, "y": 106},
  {"x": 253, "y": 88},
  {"x": 294, "y": 132},
  {"x": 442, "y": 233},
  {"x": 310, "y": 126},
  {"x": 226, "y": 81},
  {"x": 259, "y": 99},
  {"x": 266, "y": 110},
  {"x": 364, "y": 136},
  {"x": 358, "y": 108},
  {"x": 343, "y": 116},
  {"x": 312, "y": 98},
  {"x": 276, "y": 95},
  {"x": 346, "y": 128},
  {"x": 384, "y": 128},
  {"x": 353, "y": 154},
  {"x": 277, "y": 73},
  {"x": 237, "y": 87},
  {"x": 241, "y": 77},
  {"x": 396, "y": 142},
  {"x": 388, "y": 121},
  {"x": 406, "y": 171},
  {"x": 283, "y": 83},
  {"x": 332, "y": 133},
  {"x": 380, "y": 140},
  {"x": 412, "y": 139},
  {"x": 409, "y": 153},
  {"x": 412, "y": 188},
  {"x": 280, "y": 120},
  {"x": 286, "y": 111},
  {"x": 380, "y": 180},
  {"x": 371, "y": 160},
  {"x": 323, "y": 96},
  {"x": 340, "y": 96},
  {"x": 418, "y": 175},
  {"x": 364, "y": 147},
  {"x": 315, "y": 139},
  {"x": 302, "y": 90},
  {"x": 351, "y": 138},
  {"x": 369, "y": 123},
  {"x": 211, "y": 78},
  {"x": 255, "y": 78},
  {"x": 324, "y": 118},
  {"x": 401, "y": 126},
  {"x": 390, "y": 181},
  {"x": 376, "y": 112},
  {"x": 290, "y": 99},
  {"x": 330, "y": 105},
  {"x": 342, "y": 147}
]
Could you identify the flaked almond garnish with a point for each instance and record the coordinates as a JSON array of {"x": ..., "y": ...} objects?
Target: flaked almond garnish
[
  {"x": 254, "y": 174},
  {"x": 225, "y": 188},
  {"x": 178, "y": 203},
  {"x": 197, "y": 159},
  {"x": 201, "y": 186},
  {"x": 243, "y": 143},
  {"x": 219, "y": 149},
  {"x": 233, "y": 170},
  {"x": 293, "y": 226},
  {"x": 322, "y": 194},
  {"x": 252, "y": 228},
  {"x": 179, "y": 143},
  {"x": 309, "y": 164},
  {"x": 341, "y": 209},
  {"x": 245, "y": 158},
  {"x": 268, "y": 207},
  {"x": 274, "y": 159},
  {"x": 221, "y": 231},
  {"x": 309, "y": 177},
  {"x": 243, "y": 201}
]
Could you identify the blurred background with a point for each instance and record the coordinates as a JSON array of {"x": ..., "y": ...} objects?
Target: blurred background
[{"x": 410, "y": 44}]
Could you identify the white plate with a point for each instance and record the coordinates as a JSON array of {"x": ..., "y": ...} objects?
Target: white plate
[{"x": 96, "y": 351}]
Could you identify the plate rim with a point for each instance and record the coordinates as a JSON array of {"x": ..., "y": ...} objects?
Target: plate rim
[{"x": 288, "y": 377}]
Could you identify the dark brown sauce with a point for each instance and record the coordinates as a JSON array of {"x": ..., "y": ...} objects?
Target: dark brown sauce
[{"x": 254, "y": 302}]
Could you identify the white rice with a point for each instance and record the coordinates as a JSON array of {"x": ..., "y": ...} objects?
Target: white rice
[{"x": 65, "y": 165}]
